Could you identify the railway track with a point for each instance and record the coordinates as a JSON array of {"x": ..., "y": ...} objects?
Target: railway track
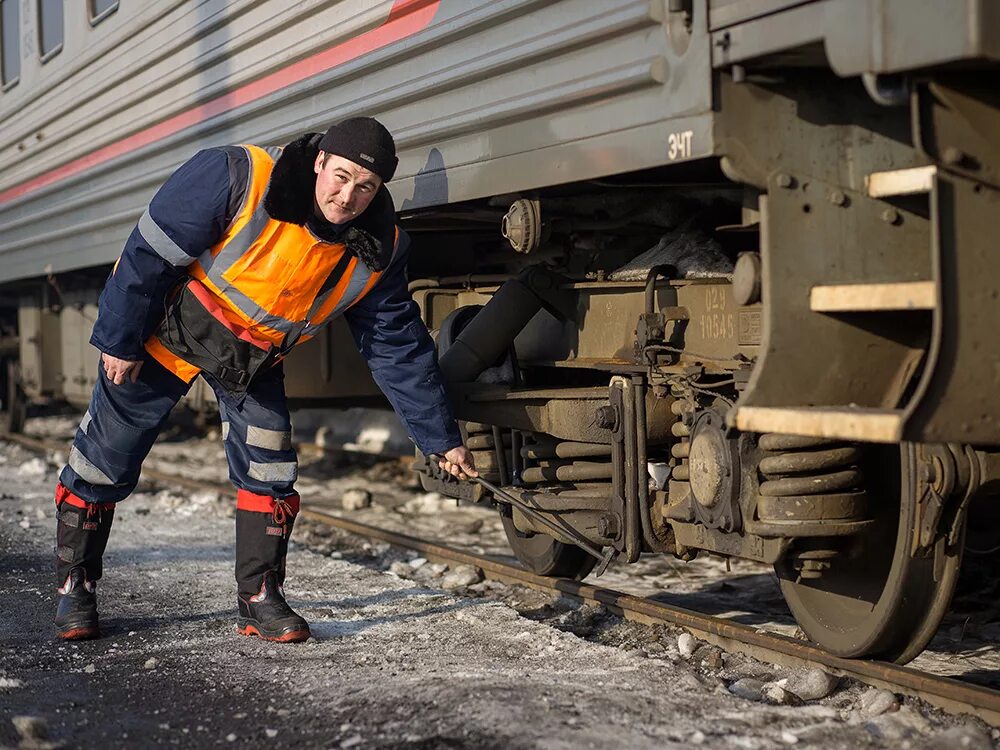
[{"x": 949, "y": 694}]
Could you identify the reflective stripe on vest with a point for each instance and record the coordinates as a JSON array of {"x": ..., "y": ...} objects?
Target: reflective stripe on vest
[{"x": 274, "y": 278}]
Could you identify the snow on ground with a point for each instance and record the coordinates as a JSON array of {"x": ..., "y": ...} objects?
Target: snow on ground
[{"x": 398, "y": 660}]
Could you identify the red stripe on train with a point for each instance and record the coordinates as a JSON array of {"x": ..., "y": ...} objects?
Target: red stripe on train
[{"x": 406, "y": 17}]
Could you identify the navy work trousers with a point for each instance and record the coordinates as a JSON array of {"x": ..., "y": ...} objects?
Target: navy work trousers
[{"x": 122, "y": 422}]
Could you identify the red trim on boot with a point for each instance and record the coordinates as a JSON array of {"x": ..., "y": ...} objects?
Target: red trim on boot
[
  {"x": 81, "y": 633},
  {"x": 296, "y": 636},
  {"x": 246, "y": 500},
  {"x": 63, "y": 495}
]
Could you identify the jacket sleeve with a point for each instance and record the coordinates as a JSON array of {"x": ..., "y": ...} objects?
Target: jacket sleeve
[
  {"x": 187, "y": 216},
  {"x": 387, "y": 328}
]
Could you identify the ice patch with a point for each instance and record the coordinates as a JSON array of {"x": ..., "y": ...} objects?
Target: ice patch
[
  {"x": 34, "y": 467},
  {"x": 371, "y": 440},
  {"x": 430, "y": 502}
]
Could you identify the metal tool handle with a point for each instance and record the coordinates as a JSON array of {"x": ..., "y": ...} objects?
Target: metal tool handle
[{"x": 578, "y": 539}]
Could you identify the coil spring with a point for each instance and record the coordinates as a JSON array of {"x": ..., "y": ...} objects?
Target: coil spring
[
  {"x": 682, "y": 448},
  {"x": 480, "y": 440},
  {"x": 810, "y": 480}
]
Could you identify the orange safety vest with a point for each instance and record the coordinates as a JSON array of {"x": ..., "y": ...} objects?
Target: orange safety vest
[{"x": 271, "y": 280}]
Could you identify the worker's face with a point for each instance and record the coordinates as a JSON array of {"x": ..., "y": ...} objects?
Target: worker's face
[{"x": 343, "y": 189}]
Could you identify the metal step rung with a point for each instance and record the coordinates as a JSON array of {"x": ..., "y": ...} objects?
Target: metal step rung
[
  {"x": 904, "y": 295},
  {"x": 900, "y": 182},
  {"x": 847, "y": 423}
]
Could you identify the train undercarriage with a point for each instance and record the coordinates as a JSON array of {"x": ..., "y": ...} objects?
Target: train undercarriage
[{"x": 615, "y": 450}]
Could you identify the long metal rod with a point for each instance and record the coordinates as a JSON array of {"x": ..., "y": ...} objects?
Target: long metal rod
[
  {"x": 537, "y": 515},
  {"x": 944, "y": 692}
]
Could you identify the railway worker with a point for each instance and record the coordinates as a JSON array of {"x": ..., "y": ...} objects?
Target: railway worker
[{"x": 243, "y": 253}]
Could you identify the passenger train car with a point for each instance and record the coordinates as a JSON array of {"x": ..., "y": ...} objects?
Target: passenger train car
[{"x": 705, "y": 275}]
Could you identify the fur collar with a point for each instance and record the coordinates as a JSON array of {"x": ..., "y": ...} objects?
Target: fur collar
[{"x": 289, "y": 197}]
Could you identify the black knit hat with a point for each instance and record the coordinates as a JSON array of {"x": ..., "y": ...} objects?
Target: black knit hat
[{"x": 366, "y": 142}]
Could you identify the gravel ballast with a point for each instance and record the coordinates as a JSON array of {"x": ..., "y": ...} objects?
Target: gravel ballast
[{"x": 397, "y": 660}]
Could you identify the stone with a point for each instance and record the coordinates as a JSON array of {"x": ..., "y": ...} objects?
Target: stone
[
  {"x": 230, "y": 737},
  {"x": 875, "y": 702},
  {"x": 713, "y": 658},
  {"x": 271, "y": 733},
  {"x": 789, "y": 739},
  {"x": 686, "y": 644},
  {"x": 417, "y": 562},
  {"x": 462, "y": 575},
  {"x": 967, "y": 737},
  {"x": 323, "y": 437},
  {"x": 812, "y": 684},
  {"x": 472, "y": 527},
  {"x": 776, "y": 694},
  {"x": 697, "y": 738},
  {"x": 380, "y": 549},
  {"x": 356, "y": 499},
  {"x": 400, "y": 568},
  {"x": 90, "y": 669},
  {"x": 8, "y": 683},
  {"x": 747, "y": 687},
  {"x": 151, "y": 663},
  {"x": 428, "y": 503},
  {"x": 434, "y": 570},
  {"x": 354, "y": 739},
  {"x": 31, "y": 728},
  {"x": 24, "y": 523}
]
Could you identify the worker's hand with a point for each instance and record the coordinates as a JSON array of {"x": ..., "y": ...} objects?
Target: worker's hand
[
  {"x": 119, "y": 369},
  {"x": 459, "y": 463}
]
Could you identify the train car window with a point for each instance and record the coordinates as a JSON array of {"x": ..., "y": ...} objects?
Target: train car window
[
  {"x": 101, "y": 9},
  {"x": 10, "y": 47},
  {"x": 50, "y": 28}
]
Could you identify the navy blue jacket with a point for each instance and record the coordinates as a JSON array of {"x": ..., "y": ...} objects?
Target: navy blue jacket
[{"x": 192, "y": 209}]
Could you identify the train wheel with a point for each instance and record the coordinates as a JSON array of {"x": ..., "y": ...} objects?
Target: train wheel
[
  {"x": 876, "y": 600},
  {"x": 546, "y": 556},
  {"x": 13, "y": 404}
]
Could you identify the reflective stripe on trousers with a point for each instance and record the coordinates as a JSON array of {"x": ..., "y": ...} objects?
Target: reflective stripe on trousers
[{"x": 123, "y": 421}]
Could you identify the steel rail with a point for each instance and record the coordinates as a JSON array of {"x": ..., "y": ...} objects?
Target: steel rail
[{"x": 949, "y": 694}]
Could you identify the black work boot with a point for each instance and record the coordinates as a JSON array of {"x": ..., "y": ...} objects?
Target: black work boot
[
  {"x": 76, "y": 613},
  {"x": 261, "y": 546},
  {"x": 81, "y": 537}
]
